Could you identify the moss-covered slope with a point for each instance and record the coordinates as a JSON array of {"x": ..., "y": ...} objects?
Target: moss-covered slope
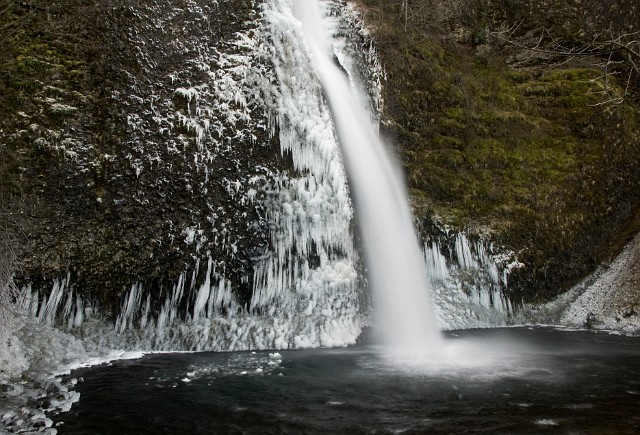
[{"x": 530, "y": 154}]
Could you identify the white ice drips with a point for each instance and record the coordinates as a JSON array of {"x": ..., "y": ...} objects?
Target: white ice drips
[
  {"x": 61, "y": 303},
  {"x": 437, "y": 269},
  {"x": 469, "y": 290},
  {"x": 129, "y": 308},
  {"x": 312, "y": 264},
  {"x": 316, "y": 315}
]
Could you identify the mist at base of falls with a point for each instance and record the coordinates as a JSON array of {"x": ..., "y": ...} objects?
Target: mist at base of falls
[{"x": 396, "y": 269}]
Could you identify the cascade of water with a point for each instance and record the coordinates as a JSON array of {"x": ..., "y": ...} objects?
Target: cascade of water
[{"x": 395, "y": 266}]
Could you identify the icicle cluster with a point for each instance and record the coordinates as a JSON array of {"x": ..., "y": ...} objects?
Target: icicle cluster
[
  {"x": 61, "y": 304},
  {"x": 468, "y": 278}
]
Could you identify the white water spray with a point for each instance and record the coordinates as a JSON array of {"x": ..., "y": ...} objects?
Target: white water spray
[{"x": 396, "y": 269}]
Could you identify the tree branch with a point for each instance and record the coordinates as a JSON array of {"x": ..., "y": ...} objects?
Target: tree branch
[{"x": 622, "y": 44}]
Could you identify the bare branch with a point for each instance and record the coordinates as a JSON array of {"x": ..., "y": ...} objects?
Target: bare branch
[
  {"x": 584, "y": 51},
  {"x": 611, "y": 47}
]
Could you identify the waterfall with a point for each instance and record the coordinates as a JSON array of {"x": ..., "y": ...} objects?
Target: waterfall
[
  {"x": 306, "y": 289},
  {"x": 395, "y": 265}
]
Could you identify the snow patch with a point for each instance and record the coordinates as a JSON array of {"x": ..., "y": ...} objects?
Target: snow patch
[{"x": 608, "y": 299}]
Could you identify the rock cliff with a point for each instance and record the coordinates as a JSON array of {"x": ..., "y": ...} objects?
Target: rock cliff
[
  {"x": 533, "y": 149},
  {"x": 136, "y": 145}
]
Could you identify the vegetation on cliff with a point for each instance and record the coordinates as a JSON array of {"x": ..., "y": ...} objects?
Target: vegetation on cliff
[{"x": 506, "y": 140}]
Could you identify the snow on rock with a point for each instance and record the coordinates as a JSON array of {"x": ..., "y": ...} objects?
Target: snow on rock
[
  {"x": 28, "y": 363},
  {"x": 13, "y": 360},
  {"x": 609, "y": 299}
]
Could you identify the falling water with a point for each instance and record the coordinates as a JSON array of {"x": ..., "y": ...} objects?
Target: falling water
[{"x": 396, "y": 269}]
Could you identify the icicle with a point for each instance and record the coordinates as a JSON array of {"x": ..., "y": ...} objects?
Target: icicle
[
  {"x": 79, "y": 317},
  {"x": 463, "y": 253},
  {"x": 48, "y": 311},
  {"x": 469, "y": 288},
  {"x": 203, "y": 294},
  {"x": 129, "y": 309}
]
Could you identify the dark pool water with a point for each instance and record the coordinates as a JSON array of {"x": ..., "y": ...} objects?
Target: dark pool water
[{"x": 517, "y": 380}]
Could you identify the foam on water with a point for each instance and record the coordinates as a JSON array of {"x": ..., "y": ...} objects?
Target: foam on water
[{"x": 467, "y": 358}]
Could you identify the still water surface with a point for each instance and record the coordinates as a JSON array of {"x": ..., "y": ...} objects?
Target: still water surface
[{"x": 525, "y": 380}]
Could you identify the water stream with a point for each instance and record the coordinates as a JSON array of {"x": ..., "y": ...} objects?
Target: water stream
[{"x": 396, "y": 269}]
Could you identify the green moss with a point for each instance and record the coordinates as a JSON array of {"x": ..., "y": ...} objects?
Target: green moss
[
  {"x": 35, "y": 55},
  {"x": 498, "y": 135},
  {"x": 440, "y": 142},
  {"x": 62, "y": 110},
  {"x": 451, "y": 124},
  {"x": 529, "y": 153},
  {"x": 36, "y": 62},
  {"x": 42, "y": 89}
]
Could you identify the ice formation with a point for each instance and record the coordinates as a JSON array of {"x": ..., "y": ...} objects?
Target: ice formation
[
  {"x": 469, "y": 279},
  {"x": 306, "y": 290}
]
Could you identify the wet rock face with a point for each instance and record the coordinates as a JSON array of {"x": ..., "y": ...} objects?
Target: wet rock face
[{"x": 144, "y": 149}]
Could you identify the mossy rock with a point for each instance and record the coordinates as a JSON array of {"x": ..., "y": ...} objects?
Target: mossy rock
[{"x": 532, "y": 154}]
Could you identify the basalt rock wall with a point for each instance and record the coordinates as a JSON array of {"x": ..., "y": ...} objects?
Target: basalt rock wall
[
  {"x": 171, "y": 168},
  {"x": 128, "y": 141}
]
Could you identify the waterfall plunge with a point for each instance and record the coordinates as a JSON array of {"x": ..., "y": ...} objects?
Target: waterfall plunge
[{"x": 396, "y": 270}]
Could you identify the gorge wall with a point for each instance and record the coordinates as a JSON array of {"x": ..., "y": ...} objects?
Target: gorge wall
[
  {"x": 173, "y": 160},
  {"x": 109, "y": 150}
]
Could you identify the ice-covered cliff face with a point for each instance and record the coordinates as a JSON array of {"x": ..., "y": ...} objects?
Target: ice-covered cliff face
[
  {"x": 469, "y": 277},
  {"x": 213, "y": 212},
  {"x": 229, "y": 165}
]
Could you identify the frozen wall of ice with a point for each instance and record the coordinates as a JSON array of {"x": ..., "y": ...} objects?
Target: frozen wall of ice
[
  {"x": 303, "y": 280},
  {"x": 469, "y": 277}
]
